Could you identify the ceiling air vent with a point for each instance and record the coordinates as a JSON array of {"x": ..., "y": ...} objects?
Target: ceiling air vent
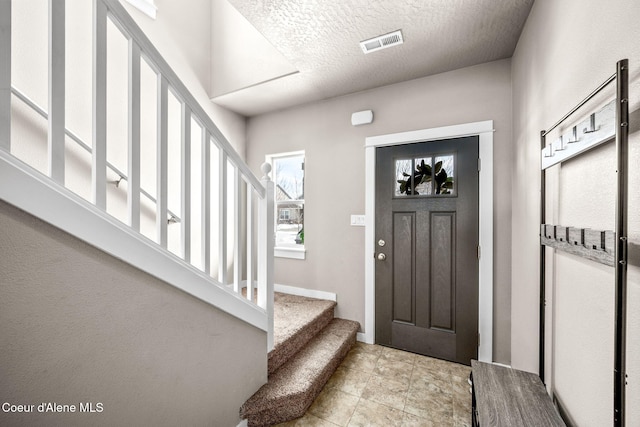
[{"x": 382, "y": 42}]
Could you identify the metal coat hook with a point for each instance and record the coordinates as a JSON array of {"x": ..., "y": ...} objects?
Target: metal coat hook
[
  {"x": 592, "y": 124},
  {"x": 574, "y": 135}
]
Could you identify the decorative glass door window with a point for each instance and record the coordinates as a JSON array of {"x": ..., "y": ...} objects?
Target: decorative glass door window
[{"x": 425, "y": 176}]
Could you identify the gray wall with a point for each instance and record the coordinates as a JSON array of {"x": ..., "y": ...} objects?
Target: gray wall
[
  {"x": 335, "y": 168},
  {"x": 77, "y": 325},
  {"x": 566, "y": 50}
]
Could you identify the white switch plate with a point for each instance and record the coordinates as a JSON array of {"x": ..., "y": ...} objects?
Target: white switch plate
[{"x": 357, "y": 220}]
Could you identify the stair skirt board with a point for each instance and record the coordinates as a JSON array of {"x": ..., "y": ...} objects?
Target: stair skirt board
[{"x": 293, "y": 388}]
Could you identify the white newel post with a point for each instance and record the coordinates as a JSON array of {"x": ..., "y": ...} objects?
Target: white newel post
[{"x": 266, "y": 237}]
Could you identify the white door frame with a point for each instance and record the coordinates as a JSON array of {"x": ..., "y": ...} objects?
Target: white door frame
[{"x": 484, "y": 130}]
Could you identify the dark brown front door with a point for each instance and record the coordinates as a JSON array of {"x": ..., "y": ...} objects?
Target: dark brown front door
[{"x": 426, "y": 248}]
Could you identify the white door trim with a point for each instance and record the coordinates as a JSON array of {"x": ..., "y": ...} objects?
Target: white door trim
[{"x": 484, "y": 131}]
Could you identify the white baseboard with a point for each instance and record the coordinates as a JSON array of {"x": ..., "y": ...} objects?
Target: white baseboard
[
  {"x": 243, "y": 423},
  {"x": 362, "y": 337},
  {"x": 309, "y": 293}
]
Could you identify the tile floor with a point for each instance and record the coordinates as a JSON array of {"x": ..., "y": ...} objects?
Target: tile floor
[{"x": 380, "y": 386}]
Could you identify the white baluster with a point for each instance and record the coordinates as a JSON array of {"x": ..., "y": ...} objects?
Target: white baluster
[
  {"x": 56, "y": 134},
  {"x": 99, "y": 153},
  {"x": 133, "y": 196},
  {"x": 5, "y": 75},
  {"x": 161, "y": 203},
  {"x": 206, "y": 201},
  {"x": 249, "y": 242},
  {"x": 237, "y": 231},
  {"x": 265, "y": 251},
  {"x": 222, "y": 218},
  {"x": 186, "y": 182}
]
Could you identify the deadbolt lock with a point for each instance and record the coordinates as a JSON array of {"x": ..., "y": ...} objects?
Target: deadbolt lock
[{"x": 381, "y": 242}]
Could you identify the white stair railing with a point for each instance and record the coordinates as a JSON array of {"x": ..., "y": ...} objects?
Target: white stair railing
[{"x": 250, "y": 260}]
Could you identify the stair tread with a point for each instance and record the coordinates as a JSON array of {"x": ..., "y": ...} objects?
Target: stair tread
[
  {"x": 303, "y": 373},
  {"x": 293, "y": 312},
  {"x": 297, "y": 320}
]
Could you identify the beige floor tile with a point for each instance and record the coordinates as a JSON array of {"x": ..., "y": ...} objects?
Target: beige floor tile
[
  {"x": 462, "y": 421},
  {"x": 367, "y": 348},
  {"x": 458, "y": 370},
  {"x": 398, "y": 355},
  {"x": 400, "y": 371},
  {"x": 410, "y": 420},
  {"x": 436, "y": 408},
  {"x": 429, "y": 397},
  {"x": 455, "y": 379},
  {"x": 377, "y": 385},
  {"x": 334, "y": 406},
  {"x": 462, "y": 395},
  {"x": 352, "y": 381},
  {"x": 308, "y": 420},
  {"x": 372, "y": 414},
  {"x": 425, "y": 379},
  {"x": 461, "y": 407},
  {"x": 386, "y": 391},
  {"x": 361, "y": 361},
  {"x": 433, "y": 364}
]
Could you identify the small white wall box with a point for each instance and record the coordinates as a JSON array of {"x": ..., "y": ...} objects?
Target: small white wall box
[{"x": 362, "y": 118}]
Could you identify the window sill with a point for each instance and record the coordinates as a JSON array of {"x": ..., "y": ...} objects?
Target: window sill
[{"x": 293, "y": 253}]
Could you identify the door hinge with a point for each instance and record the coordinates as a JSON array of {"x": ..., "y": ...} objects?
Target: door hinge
[
  {"x": 479, "y": 254},
  {"x": 479, "y": 164}
]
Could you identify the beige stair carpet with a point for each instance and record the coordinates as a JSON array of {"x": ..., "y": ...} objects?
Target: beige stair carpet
[{"x": 309, "y": 344}]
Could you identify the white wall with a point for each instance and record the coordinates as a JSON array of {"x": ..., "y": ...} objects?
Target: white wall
[
  {"x": 566, "y": 50},
  {"x": 77, "y": 325},
  {"x": 335, "y": 170}
]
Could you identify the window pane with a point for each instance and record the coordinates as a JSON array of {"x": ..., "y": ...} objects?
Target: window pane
[
  {"x": 403, "y": 177},
  {"x": 289, "y": 180},
  {"x": 443, "y": 171},
  {"x": 422, "y": 176},
  {"x": 290, "y": 176}
]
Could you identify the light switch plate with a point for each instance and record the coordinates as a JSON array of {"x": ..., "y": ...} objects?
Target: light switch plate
[{"x": 357, "y": 220}]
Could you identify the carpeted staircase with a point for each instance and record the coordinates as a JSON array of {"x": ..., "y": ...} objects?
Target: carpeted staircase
[{"x": 309, "y": 344}]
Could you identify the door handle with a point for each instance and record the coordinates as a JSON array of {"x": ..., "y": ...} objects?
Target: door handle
[{"x": 381, "y": 256}]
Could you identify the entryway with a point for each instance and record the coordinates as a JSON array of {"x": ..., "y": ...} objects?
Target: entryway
[
  {"x": 427, "y": 248},
  {"x": 483, "y": 132}
]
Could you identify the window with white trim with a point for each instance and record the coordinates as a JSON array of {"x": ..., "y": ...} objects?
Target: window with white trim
[{"x": 288, "y": 177}]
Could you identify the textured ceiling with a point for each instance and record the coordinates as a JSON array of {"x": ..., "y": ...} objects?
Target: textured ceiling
[{"x": 320, "y": 39}]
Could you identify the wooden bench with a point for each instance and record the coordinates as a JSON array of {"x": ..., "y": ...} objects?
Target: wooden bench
[{"x": 504, "y": 397}]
